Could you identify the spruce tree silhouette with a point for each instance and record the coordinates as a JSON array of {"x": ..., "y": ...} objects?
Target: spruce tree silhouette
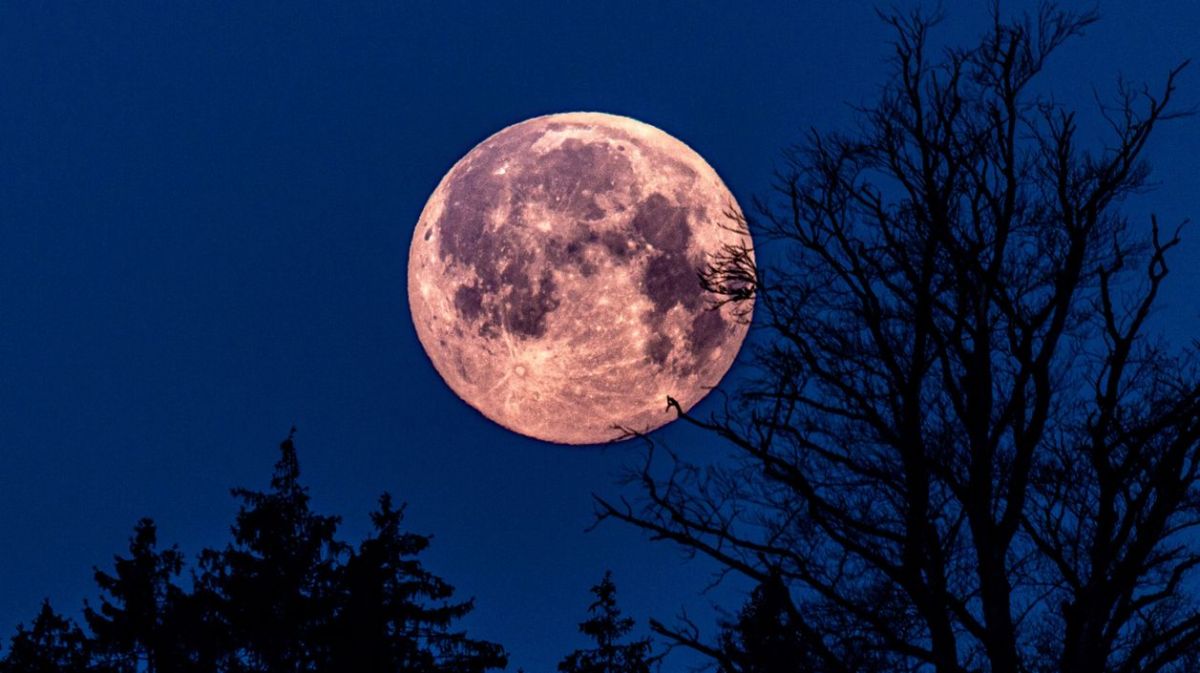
[
  {"x": 285, "y": 596},
  {"x": 607, "y": 627},
  {"x": 396, "y": 615},
  {"x": 53, "y": 644},
  {"x": 274, "y": 586},
  {"x": 764, "y": 639},
  {"x": 133, "y": 629}
]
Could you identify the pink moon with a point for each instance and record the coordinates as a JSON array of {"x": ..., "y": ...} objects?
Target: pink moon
[{"x": 553, "y": 277}]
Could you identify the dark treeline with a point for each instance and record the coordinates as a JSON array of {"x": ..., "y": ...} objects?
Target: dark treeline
[
  {"x": 963, "y": 446},
  {"x": 286, "y": 595}
]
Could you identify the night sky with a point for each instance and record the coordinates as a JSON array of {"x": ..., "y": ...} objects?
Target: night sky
[{"x": 205, "y": 213}]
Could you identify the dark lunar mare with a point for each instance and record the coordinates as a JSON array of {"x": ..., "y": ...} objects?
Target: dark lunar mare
[
  {"x": 672, "y": 279},
  {"x": 566, "y": 180}
]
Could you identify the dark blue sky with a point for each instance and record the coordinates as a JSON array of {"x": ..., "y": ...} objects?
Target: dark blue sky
[{"x": 205, "y": 211}]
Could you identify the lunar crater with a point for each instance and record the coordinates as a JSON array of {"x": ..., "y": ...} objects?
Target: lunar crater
[{"x": 554, "y": 279}]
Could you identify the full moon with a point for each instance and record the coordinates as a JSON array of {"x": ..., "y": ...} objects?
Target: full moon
[{"x": 554, "y": 279}]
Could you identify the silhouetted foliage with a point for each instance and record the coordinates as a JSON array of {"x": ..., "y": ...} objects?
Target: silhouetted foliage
[
  {"x": 396, "y": 615},
  {"x": 607, "y": 628},
  {"x": 53, "y": 644},
  {"x": 285, "y": 596},
  {"x": 960, "y": 449},
  {"x": 765, "y": 638},
  {"x": 133, "y": 629},
  {"x": 275, "y": 585}
]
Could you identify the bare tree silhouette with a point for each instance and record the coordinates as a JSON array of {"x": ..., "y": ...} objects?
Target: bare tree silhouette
[{"x": 961, "y": 448}]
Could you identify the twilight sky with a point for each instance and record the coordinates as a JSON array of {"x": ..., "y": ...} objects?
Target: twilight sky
[{"x": 205, "y": 212}]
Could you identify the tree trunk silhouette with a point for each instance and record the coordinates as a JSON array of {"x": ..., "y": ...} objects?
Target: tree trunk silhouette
[{"x": 959, "y": 447}]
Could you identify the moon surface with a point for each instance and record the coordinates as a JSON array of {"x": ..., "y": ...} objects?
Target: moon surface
[{"x": 553, "y": 277}]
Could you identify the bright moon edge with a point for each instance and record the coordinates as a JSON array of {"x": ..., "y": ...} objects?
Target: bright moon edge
[{"x": 553, "y": 277}]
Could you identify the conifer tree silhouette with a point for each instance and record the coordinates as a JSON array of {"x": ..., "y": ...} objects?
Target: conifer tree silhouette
[
  {"x": 285, "y": 596},
  {"x": 274, "y": 585},
  {"x": 396, "y": 615},
  {"x": 764, "y": 639},
  {"x": 52, "y": 644},
  {"x": 132, "y": 629},
  {"x": 607, "y": 628}
]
